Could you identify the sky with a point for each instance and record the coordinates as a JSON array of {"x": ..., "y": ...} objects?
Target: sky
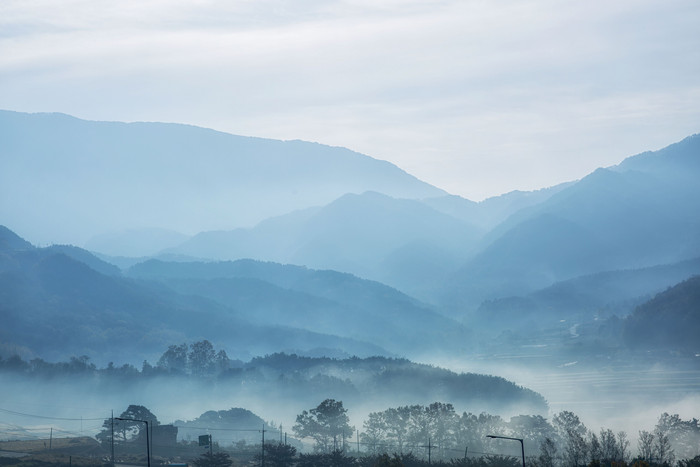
[{"x": 476, "y": 97}]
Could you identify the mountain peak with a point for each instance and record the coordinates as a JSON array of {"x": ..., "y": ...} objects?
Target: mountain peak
[
  {"x": 681, "y": 156},
  {"x": 176, "y": 177},
  {"x": 10, "y": 241}
]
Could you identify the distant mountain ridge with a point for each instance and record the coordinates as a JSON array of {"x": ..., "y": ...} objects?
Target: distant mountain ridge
[
  {"x": 594, "y": 296},
  {"x": 354, "y": 239},
  {"x": 10, "y": 241},
  {"x": 88, "y": 306},
  {"x": 78, "y": 178},
  {"x": 56, "y": 305},
  {"x": 403, "y": 243},
  {"x": 322, "y": 301},
  {"x": 639, "y": 214},
  {"x": 456, "y": 254}
]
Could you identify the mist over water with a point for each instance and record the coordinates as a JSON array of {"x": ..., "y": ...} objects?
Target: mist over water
[{"x": 620, "y": 397}]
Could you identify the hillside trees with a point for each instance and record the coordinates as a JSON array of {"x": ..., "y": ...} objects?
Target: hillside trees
[
  {"x": 199, "y": 359},
  {"x": 174, "y": 359},
  {"x": 669, "y": 320}
]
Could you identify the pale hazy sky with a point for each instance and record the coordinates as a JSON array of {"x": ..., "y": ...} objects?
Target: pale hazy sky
[{"x": 476, "y": 97}]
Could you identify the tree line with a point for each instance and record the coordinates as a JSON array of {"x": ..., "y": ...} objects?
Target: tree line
[
  {"x": 435, "y": 434},
  {"x": 435, "y": 430},
  {"x": 295, "y": 377},
  {"x": 446, "y": 434},
  {"x": 196, "y": 359}
]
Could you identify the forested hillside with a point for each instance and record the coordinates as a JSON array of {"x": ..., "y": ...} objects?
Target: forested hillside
[{"x": 670, "y": 320}]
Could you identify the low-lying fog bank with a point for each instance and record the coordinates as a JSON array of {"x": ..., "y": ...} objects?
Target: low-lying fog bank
[{"x": 610, "y": 394}]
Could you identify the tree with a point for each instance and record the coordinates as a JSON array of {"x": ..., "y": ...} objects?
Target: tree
[
  {"x": 202, "y": 358},
  {"x": 611, "y": 448},
  {"x": 174, "y": 359},
  {"x": 575, "y": 449},
  {"x": 81, "y": 364},
  {"x": 397, "y": 426},
  {"x": 548, "y": 453},
  {"x": 595, "y": 450},
  {"x": 375, "y": 433},
  {"x": 684, "y": 435},
  {"x": 278, "y": 455},
  {"x": 533, "y": 429},
  {"x": 646, "y": 445},
  {"x": 623, "y": 445},
  {"x": 327, "y": 424},
  {"x": 572, "y": 431},
  {"x": 126, "y": 430},
  {"x": 663, "y": 451},
  {"x": 217, "y": 459},
  {"x": 566, "y": 421},
  {"x": 442, "y": 421},
  {"x": 608, "y": 446},
  {"x": 223, "y": 363}
]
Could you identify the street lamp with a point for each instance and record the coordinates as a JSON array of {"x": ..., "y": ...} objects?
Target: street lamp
[
  {"x": 522, "y": 446},
  {"x": 148, "y": 442}
]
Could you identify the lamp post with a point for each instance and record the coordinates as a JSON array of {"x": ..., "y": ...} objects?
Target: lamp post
[
  {"x": 148, "y": 442},
  {"x": 522, "y": 445}
]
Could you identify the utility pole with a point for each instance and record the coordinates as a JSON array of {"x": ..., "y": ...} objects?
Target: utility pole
[
  {"x": 50, "y": 438},
  {"x": 148, "y": 445},
  {"x": 465, "y": 452},
  {"x": 112, "y": 438},
  {"x": 358, "y": 441},
  {"x": 262, "y": 457}
]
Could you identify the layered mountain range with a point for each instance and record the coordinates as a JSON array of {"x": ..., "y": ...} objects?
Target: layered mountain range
[
  {"x": 66, "y": 180},
  {"x": 270, "y": 245}
]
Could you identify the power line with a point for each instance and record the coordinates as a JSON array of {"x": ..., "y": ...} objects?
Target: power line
[{"x": 49, "y": 418}]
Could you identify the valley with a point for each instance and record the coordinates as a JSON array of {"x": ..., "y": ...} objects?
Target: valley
[{"x": 374, "y": 288}]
